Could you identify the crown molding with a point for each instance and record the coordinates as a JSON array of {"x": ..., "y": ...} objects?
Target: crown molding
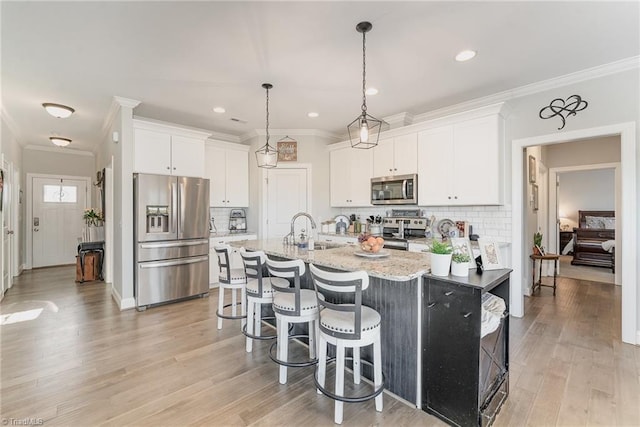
[
  {"x": 126, "y": 102},
  {"x": 117, "y": 102},
  {"x": 174, "y": 128},
  {"x": 227, "y": 137},
  {"x": 399, "y": 120},
  {"x": 11, "y": 124},
  {"x": 59, "y": 150},
  {"x": 533, "y": 88},
  {"x": 289, "y": 132}
]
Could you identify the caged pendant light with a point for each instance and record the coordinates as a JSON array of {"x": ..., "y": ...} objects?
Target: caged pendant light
[
  {"x": 364, "y": 131},
  {"x": 267, "y": 156}
]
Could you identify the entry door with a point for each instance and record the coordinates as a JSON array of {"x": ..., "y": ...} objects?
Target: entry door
[
  {"x": 58, "y": 206},
  {"x": 286, "y": 196}
]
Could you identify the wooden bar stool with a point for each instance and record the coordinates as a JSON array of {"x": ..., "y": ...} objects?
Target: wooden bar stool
[
  {"x": 233, "y": 279},
  {"x": 547, "y": 257},
  {"x": 347, "y": 324}
]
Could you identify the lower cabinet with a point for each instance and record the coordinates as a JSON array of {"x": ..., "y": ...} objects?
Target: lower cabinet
[
  {"x": 465, "y": 376},
  {"x": 236, "y": 259}
]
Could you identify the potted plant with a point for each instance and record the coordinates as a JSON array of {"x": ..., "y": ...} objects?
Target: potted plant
[
  {"x": 94, "y": 230},
  {"x": 460, "y": 264},
  {"x": 440, "y": 258},
  {"x": 537, "y": 243}
]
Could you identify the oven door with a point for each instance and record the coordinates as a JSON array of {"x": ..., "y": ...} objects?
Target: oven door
[{"x": 394, "y": 190}]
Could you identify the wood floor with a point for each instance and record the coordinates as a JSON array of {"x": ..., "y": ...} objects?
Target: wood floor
[{"x": 82, "y": 362}]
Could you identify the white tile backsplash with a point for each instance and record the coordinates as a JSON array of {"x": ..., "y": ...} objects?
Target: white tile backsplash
[
  {"x": 221, "y": 218},
  {"x": 487, "y": 221}
]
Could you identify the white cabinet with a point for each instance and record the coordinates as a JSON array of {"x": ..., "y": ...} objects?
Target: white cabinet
[
  {"x": 227, "y": 167},
  {"x": 167, "y": 150},
  {"x": 351, "y": 172},
  {"x": 396, "y": 156},
  {"x": 236, "y": 259},
  {"x": 461, "y": 164}
]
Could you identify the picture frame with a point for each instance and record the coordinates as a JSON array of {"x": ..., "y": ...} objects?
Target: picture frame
[
  {"x": 540, "y": 250},
  {"x": 490, "y": 254},
  {"x": 463, "y": 245},
  {"x": 534, "y": 192},
  {"x": 532, "y": 169},
  {"x": 287, "y": 150}
]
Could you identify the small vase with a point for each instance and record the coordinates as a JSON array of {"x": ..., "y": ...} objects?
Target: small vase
[
  {"x": 460, "y": 269},
  {"x": 440, "y": 264}
]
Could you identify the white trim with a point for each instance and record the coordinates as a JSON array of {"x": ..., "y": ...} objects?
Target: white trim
[
  {"x": 59, "y": 150},
  {"x": 117, "y": 102},
  {"x": 402, "y": 119},
  {"x": 628, "y": 217},
  {"x": 227, "y": 145},
  {"x": 29, "y": 201},
  {"x": 166, "y": 127},
  {"x": 11, "y": 124},
  {"x": 553, "y": 172},
  {"x": 295, "y": 132},
  {"x": 126, "y": 102},
  {"x": 123, "y": 304},
  {"x": 553, "y": 83},
  {"x": 264, "y": 206}
]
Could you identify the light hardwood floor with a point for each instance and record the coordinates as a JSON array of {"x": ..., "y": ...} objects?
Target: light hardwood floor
[{"x": 83, "y": 362}]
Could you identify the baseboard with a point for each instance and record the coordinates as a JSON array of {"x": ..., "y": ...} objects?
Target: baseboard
[
  {"x": 638, "y": 338},
  {"x": 124, "y": 304},
  {"x": 213, "y": 285}
]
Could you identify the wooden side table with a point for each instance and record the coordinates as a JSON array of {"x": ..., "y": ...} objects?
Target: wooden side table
[{"x": 547, "y": 257}]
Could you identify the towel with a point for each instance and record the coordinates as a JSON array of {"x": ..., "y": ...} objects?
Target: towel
[
  {"x": 609, "y": 245},
  {"x": 493, "y": 309}
]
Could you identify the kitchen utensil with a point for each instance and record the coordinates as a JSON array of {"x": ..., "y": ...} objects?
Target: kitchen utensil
[
  {"x": 446, "y": 227},
  {"x": 378, "y": 219},
  {"x": 344, "y": 219},
  {"x": 341, "y": 227}
]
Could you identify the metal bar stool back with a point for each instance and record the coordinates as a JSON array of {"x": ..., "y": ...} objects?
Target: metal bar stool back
[
  {"x": 291, "y": 305},
  {"x": 346, "y": 323},
  {"x": 233, "y": 279}
]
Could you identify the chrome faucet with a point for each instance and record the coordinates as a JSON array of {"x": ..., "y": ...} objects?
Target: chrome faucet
[{"x": 290, "y": 239}]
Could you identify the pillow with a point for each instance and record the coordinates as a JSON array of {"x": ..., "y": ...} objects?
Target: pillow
[
  {"x": 609, "y": 222},
  {"x": 594, "y": 221}
]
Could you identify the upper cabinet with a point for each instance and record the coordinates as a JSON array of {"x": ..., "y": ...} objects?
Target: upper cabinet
[
  {"x": 351, "y": 172},
  {"x": 166, "y": 149},
  {"x": 461, "y": 163},
  {"x": 396, "y": 155},
  {"x": 227, "y": 167}
]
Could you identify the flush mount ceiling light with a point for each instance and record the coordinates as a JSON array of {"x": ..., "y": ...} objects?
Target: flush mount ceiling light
[
  {"x": 60, "y": 142},
  {"x": 219, "y": 110},
  {"x": 364, "y": 131},
  {"x": 465, "y": 55},
  {"x": 267, "y": 156},
  {"x": 58, "y": 110},
  {"x": 313, "y": 115}
]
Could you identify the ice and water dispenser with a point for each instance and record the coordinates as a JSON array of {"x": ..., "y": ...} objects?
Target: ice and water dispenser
[{"x": 157, "y": 219}]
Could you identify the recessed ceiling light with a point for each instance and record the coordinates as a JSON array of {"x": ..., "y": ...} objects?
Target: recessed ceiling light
[
  {"x": 465, "y": 55},
  {"x": 313, "y": 115},
  {"x": 60, "y": 142},
  {"x": 58, "y": 110},
  {"x": 219, "y": 110},
  {"x": 371, "y": 91}
]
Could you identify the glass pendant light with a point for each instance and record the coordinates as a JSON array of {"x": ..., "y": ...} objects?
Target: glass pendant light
[
  {"x": 267, "y": 156},
  {"x": 364, "y": 131}
]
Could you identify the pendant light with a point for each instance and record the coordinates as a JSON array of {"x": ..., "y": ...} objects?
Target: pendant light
[
  {"x": 267, "y": 156},
  {"x": 364, "y": 131}
]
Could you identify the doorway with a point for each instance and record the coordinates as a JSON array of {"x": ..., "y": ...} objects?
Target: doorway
[
  {"x": 6, "y": 207},
  {"x": 627, "y": 217},
  {"x": 286, "y": 191},
  {"x": 55, "y": 218}
]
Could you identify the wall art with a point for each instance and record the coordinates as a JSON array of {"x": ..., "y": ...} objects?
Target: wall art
[{"x": 563, "y": 108}]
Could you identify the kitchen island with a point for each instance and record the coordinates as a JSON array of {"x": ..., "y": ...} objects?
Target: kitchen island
[{"x": 396, "y": 288}]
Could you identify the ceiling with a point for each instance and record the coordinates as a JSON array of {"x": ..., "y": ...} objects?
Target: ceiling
[{"x": 181, "y": 59}]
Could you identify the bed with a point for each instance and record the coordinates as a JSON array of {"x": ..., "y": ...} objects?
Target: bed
[{"x": 594, "y": 239}]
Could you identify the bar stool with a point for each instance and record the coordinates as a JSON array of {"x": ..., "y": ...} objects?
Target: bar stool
[
  {"x": 259, "y": 292},
  {"x": 291, "y": 305},
  {"x": 233, "y": 279},
  {"x": 346, "y": 325}
]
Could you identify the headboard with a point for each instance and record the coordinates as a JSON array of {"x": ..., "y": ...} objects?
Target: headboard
[{"x": 582, "y": 216}]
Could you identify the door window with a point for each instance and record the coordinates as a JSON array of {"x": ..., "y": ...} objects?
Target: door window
[{"x": 60, "y": 194}]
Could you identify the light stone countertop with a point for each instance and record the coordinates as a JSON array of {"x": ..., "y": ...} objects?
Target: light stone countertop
[
  {"x": 227, "y": 233},
  {"x": 399, "y": 265}
]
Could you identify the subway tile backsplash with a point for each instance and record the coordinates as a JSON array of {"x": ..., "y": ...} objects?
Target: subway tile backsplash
[
  {"x": 488, "y": 221},
  {"x": 221, "y": 218}
]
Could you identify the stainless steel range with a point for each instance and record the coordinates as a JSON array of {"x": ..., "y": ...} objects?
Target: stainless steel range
[{"x": 403, "y": 226}]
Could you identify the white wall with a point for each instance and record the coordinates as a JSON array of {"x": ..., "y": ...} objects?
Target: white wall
[
  {"x": 586, "y": 190},
  {"x": 58, "y": 161},
  {"x": 588, "y": 152}
]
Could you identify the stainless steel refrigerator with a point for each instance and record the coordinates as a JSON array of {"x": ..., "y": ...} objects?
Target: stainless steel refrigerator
[{"x": 171, "y": 229}]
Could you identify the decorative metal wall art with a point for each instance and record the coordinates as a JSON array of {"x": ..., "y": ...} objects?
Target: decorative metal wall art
[{"x": 563, "y": 108}]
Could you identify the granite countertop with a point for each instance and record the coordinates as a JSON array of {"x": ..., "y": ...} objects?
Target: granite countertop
[
  {"x": 227, "y": 233},
  {"x": 399, "y": 265}
]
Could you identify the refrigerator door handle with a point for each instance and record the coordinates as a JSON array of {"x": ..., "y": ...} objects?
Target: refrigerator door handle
[
  {"x": 156, "y": 245},
  {"x": 181, "y": 208},
  {"x": 172, "y": 263},
  {"x": 175, "y": 207}
]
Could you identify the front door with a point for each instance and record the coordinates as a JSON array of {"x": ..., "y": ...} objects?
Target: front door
[
  {"x": 57, "y": 224},
  {"x": 286, "y": 196}
]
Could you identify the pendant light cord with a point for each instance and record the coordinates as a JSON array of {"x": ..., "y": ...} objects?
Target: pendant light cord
[
  {"x": 267, "y": 129},
  {"x": 364, "y": 74}
]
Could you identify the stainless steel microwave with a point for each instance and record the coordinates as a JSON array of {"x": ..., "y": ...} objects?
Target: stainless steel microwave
[{"x": 395, "y": 190}]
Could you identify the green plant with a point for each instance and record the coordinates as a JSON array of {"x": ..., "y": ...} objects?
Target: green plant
[
  {"x": 441, "y": 248},
  {"x": 460, "y": 257},
  {"x": 92, "y": 217},
  {"x": 537, "y": 239}
]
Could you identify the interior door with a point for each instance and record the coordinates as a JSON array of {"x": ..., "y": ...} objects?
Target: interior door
[
  {"x": 57, "y": 224},
  {"x": 286, "y": 196},
  {"x": 5, "y": 206}
]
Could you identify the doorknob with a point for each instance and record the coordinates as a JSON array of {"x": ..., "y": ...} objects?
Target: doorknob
[
  {"x": 35, "y": 229},
  {"x": 9, "y": 231}
]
